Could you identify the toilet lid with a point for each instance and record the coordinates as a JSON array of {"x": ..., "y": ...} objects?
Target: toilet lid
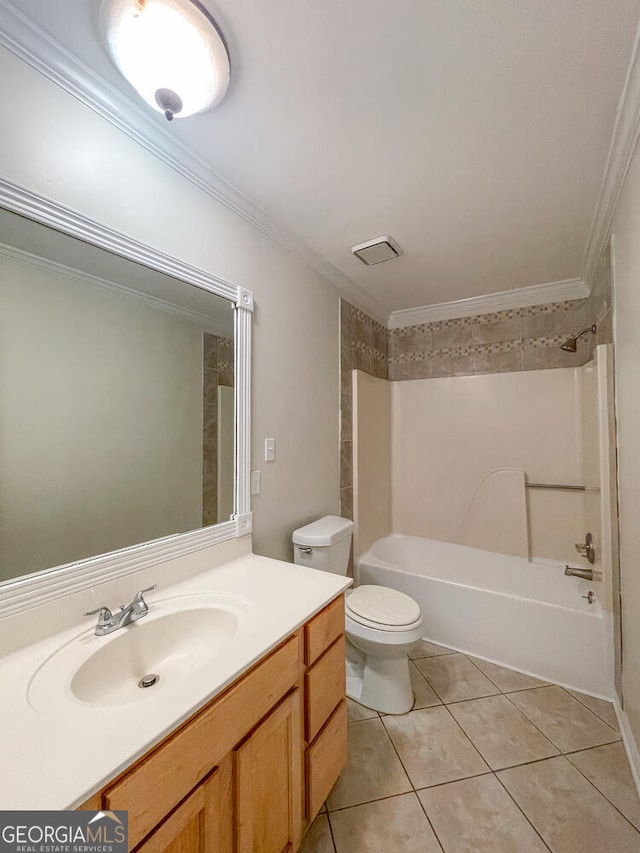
[{"x": 383, "y": 605}]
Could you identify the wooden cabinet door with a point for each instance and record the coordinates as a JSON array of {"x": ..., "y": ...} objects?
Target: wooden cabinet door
[
  {"x": 203, "y": 822},
  {"x": 268, "y": 783}
]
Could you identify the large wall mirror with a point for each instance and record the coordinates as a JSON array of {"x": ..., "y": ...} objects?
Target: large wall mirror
[{"x": 118, "y": 405}]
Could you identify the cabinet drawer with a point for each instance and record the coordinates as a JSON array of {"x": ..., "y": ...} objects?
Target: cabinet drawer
[
  {"x": 324, "y": 687},
  {"x": 323, "y": 629},
  {"x": 162, "y": 778},
  {"x": 325, "y": 759}
]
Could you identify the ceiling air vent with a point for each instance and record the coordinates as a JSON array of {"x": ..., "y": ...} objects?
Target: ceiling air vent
[{"x": 377, "y": 251}]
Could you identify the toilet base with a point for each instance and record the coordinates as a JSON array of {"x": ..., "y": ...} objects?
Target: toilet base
[{"x": 380, "y": 683}]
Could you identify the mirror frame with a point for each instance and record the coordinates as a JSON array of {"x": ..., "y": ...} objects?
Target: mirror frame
[{"x": 23, "y": 593}]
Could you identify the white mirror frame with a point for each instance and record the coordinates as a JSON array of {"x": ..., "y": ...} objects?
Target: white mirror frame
[{"x": 31, "y": 590}]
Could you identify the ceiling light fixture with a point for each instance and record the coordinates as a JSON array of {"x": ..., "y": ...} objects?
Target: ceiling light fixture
[{"x": 171, "y": 52}]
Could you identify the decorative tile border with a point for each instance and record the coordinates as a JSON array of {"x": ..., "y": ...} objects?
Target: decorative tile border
[{"x": 488, "y": 319}]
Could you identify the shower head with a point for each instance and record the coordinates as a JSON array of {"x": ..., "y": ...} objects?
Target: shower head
[{"x": 571, "y": 344}]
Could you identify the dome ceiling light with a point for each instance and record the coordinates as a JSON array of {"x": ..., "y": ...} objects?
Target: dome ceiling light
[{"x": 171, "y": 52}]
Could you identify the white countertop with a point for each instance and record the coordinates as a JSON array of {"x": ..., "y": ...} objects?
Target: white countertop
[{"x": 53, "y": 759}]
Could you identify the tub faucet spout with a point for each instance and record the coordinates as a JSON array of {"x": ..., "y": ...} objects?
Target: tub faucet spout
[{"x": 585, "y": 574}]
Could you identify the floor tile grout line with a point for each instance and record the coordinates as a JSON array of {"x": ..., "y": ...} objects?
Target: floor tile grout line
[
  {"x": 591, "y": 709},
  {"x": 586, "y": 707},
  {"x": 374, "y": 800},
  {"x": 433, "y": 829},
  {"x": 426, "y": 680},
  {"x": 552, "y": 742},
  {"x": 482, "y": 758},
  {"x": 333, "y": 838},
  {"x": 395, "y": 749},
  {"x": 521, "y": 712},
  {"x": 459, "y": 700},
  {"x": 596, "y": 746},
  {"x": 602, "y": 794},
  {"x": 464, "y": 734},
  {"x": 548, "y": 737},
  {"x": 483, "y": 673},
  {"x": 522, "y": 811},
  {"x": 517, "y": 689},
  {"x": 424, "y": 787},
  {"x": 559, "y": 752},
  {"x": 500, "y": 693},
  {"x": 521, "y": 763}
]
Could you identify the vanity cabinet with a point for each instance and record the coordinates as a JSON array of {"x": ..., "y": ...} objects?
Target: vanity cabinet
[{"x": 250, "y": 770}]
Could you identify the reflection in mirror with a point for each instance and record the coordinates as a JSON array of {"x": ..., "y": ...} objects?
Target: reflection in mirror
[{"x": 116, "y": 401}]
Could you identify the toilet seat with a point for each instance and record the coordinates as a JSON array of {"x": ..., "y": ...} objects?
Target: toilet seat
[{"x": 382, "y": 608}]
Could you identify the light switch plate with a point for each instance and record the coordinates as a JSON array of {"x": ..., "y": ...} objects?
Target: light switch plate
[{"x": 269, "y": 449}]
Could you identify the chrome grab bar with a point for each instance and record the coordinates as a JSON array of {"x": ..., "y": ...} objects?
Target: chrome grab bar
[{"x": 556, "y": 486}]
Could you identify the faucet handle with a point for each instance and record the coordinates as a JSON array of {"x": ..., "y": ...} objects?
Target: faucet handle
[
  {"x": 105, "y": 614},
  {"x": 586, "y": 548},
  {"x": 139, "y": 604},
  {"x": 138, "y": 595}
]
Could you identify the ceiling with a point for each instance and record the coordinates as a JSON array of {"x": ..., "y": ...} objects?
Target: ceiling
[{"x": 474, "y": 132}]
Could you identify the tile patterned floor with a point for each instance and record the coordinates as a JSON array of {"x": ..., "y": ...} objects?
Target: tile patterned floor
[{"x": 488, "y": 761}]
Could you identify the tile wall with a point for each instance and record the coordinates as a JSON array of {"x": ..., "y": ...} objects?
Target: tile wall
[
  {"x": 218, "y": 365},
  {"x": 501, "y": 342}
]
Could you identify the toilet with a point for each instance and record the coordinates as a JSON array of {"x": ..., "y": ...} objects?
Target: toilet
[{"x": 381, "y": 624}]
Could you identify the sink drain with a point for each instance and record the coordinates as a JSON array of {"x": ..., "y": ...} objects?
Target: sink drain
[{"x": 149, "y": 680}]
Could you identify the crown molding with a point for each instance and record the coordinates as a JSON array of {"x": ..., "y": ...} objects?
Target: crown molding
[
  {"x": 521, "y": 297},
  {"x": 32, "y": 44},
  {"x": 624, "y": 140},
  {"x": 211, "y": 325}
]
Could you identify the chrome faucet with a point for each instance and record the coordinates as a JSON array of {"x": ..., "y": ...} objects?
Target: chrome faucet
[
  {"x": 128, "y": 613},
  {"x": 585, "y": 574}
]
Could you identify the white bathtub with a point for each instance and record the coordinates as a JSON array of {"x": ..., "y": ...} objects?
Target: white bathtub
[{"x": 525, "y": 615}]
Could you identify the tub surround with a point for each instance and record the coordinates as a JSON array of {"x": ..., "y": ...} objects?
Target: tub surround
[
  {"x": 447, "y": 435},
  {"x": 95, "y": 743}
]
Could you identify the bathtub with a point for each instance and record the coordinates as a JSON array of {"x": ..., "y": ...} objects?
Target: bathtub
[{"x": 523, "y": 614}]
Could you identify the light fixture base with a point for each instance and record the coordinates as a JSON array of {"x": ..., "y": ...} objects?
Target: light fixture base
[{"x": 169, "y": 102}]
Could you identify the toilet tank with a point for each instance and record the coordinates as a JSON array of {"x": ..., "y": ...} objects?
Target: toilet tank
[{"x": 324, "y": 544}]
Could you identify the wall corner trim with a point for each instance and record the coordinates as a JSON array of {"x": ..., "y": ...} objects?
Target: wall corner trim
[
  {"x": 630, "y": 745},
  {"x": 521, "y": 297},
  {"x": 626, "y": 131}
]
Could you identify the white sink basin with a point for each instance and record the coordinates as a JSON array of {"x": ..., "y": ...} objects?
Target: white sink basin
[{"x": 177, "y": 639}]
